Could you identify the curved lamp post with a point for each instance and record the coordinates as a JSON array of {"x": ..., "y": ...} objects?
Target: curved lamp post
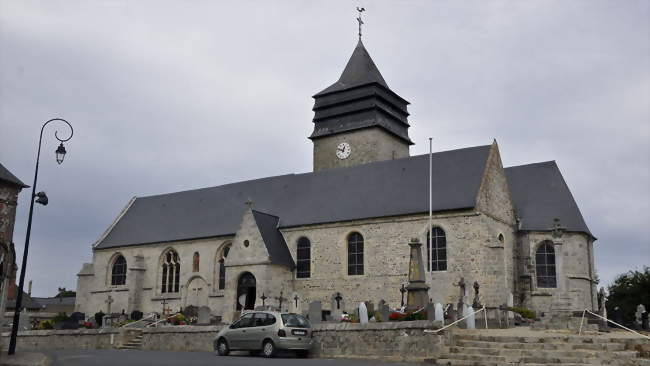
[{"x": 41, "y": 198}]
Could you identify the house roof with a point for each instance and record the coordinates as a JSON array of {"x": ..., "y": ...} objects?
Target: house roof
[
  {"x": 273, "y": 239},
  {"x": 380, "y": 189},
  {"x": 540, "y": 194},
  {"x": 5, "y": 175}
]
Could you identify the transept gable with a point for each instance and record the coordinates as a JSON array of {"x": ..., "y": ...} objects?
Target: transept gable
[{"x": 493, "y": 197}]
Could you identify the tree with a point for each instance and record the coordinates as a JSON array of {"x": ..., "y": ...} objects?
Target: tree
[
  {"x": 65, "y": 293},
  {"x": 628, "y": 291}
]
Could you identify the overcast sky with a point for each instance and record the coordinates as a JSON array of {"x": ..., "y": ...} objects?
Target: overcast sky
[{"x": 176, "y": 95}]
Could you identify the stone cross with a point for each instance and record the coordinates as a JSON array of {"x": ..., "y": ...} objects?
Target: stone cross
[
  {"x": 164, "y": 310},
  {"x": 338, "y": 299},
  {"x": 461, "y": 286},
  {"x": 402, "y": 290},
  {"x": 360, "y": 10},
  {"x": 296, "y": 298},
  {"x": 108, "y": 302},
  {"x": 280, "y": 300},
  {"x": 477, "y": 299},
  {"x": 263, "y": 297}
]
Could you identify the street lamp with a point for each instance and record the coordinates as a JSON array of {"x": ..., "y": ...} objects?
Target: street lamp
[{"x": 41, "y": 198}]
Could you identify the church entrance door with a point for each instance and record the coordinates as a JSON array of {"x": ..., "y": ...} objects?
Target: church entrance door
[
  {"x": 246, "y": 292},
  {"x": 197, "y": 292}
]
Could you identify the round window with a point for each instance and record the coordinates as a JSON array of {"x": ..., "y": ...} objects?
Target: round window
[{"x": 246, "y": 243}]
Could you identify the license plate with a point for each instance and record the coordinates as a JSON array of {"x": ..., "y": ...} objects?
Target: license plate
[{"x": 299, "y": 332}]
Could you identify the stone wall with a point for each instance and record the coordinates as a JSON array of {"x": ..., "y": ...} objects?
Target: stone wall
[
  {"x": 393, "y": 340},
  {"x": 367, "y": 145},
  {"x": 185, "y": 338},
  {"x": 64, "y": 339}
]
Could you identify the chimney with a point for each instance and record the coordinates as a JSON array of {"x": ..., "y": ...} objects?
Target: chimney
[{"x": 29, "y": 288}]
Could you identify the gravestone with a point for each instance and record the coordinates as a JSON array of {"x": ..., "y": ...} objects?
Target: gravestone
[
  {"x": 617, "y": 315},
  {"x": 107, "y": 321},
  {"x": 417, "y": 288},
  {"x": 384, "y": 311},
  {"x": 371, "y": 308},
  {"x": 337, "y": 306},
  {"x": 24, "y": 322},
  {"x": 430, "y": 311},
  {"x": 78, "y": 317},
  {"x": 452, "y": 313},
  {"x": 439, "y": 313},
  {"x": 363, "y": 313},
  {"x": 639, "y": 316},
  {"x": 203, "y": 315},
  {"x": 470, "y": 321},
  {"x": 315, "y": 312},
  {"x": 477, "y": 297},
  {"x": 644, "y": 321},
  {"x": 191, "y": 311}
]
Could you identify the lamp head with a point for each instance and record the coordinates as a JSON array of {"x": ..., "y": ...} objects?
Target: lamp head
[
  {"x": 42, "y": 198},
  {"x": 60, "y": 153}
]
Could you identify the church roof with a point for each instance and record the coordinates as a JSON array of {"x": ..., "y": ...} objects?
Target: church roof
[
  {"x": 360, "y": 70},
  {"x": 380, "y": 189},
  {"x": 6, "y": 176},
  {"x": 268, "y": 226},
  {"x": 540, "y": 194}
]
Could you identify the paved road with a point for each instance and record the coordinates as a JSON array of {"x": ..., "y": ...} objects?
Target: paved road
[{"x": 159, "y": 358}]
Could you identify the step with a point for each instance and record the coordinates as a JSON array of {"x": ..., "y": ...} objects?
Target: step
[
  {"x": 542, "y": 346},
  {"x": 454, "y": 362},
  {"x": 514, "y": 354},
  {"x": 540, "y": 339}
]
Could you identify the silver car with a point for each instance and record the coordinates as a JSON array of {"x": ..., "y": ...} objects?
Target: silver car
[{"x": 266, "y": 332}]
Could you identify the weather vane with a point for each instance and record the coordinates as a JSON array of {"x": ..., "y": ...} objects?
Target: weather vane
[{"x": 360, "y": 10}]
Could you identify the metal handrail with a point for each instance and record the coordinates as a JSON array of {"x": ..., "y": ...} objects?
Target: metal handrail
[
  {"x": 608, "y": 320},
  {"x": 137, "y": 321},
  {"x": 163, "y": 318},
  {"x": 459, "y": 320}
]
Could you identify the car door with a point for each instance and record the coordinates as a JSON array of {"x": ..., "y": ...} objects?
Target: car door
[
  {"x": 237, "y": 335},
  {"x": 258, "y": 332}
]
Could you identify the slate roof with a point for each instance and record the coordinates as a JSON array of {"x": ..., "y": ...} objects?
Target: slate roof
[
  {"x": 6, "y": 176},
  {"x": 380, "y": 189},
  {"x": 360, "y": 70},
  {"x": 540, "y": 194},
  {"x": 273, "y": 239},
  {"x": 386, "y": 188}
]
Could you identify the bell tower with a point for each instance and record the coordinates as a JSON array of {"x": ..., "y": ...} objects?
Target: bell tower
[{"x": 358, "y": 119}]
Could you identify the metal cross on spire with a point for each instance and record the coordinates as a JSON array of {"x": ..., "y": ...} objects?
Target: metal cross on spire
[{"x": 360, "y": 10}]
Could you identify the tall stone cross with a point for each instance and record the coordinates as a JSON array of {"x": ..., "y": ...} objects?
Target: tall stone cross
[
  {"x": 280, "y": 300},
  {"x": 164, "y": 310},
  {"x": 402, "y": 290},
  {"x": 109, "y": 301},
  {"x": 296, "y": 298},
  {"x": 263, "y": 297},
  {"x": 360, "y": 10}
]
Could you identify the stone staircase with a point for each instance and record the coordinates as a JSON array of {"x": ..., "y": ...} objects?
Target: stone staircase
[
  {"x": 131, "y": 339},
  {"x": 563, "y": 350}
]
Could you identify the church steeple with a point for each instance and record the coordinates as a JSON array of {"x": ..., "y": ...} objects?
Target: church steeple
[{"x": 361, "y": 100}]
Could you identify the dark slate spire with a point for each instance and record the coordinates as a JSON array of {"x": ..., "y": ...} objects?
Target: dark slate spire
[
  {"x": 360, "y": 70},
  {"x": 360, "y": 99}
]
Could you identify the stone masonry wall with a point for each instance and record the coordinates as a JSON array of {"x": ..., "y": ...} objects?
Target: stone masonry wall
[
  {"x": 367, "y": 145},
  {"x": 63, "y": 339}
]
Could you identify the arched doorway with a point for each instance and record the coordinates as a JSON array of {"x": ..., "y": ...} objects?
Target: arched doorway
[{"x": 246, "y": 292}]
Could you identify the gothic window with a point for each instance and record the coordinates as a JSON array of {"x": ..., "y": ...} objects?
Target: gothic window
[
  {"x": 222, "y": 268},
  {"x": 545, "y": 266},
  {"x": 118, "y": 272},
  {"x": 303, "y": 258},
  {"x": 437, "y": 253},
  {"x": 171, "y": 271},
  {"x": 195, "y": 262},
  {"x": 355, "y": 254}
]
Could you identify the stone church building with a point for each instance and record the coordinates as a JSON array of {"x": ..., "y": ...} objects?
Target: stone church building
[{"x": 344, "y": 228}]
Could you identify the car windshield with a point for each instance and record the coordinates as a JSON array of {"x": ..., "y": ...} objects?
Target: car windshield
[{"x": 295, "y": 321}]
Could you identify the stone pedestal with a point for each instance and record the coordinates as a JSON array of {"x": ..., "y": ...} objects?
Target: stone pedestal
[{"x": 417, "y": 288}]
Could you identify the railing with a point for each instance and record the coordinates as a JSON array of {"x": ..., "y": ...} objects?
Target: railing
[
  {"x": 163, "y": 318},
  {"x": 461, "y": 319},
  {"x": 148, "y": 317},
  {"x": 609, "y": 321}
]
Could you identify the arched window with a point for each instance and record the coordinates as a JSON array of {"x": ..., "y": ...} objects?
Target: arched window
[
  {"x": 437, "y": 253},
  {"x": 118, "y": 272},
  {"x": 545, "y": 266},
  {"x": 303, "y": 258},
  {"x": 171, "y": 272},
  {"x": 222, "y": 268},
  {"x": 355, "y": 254}
]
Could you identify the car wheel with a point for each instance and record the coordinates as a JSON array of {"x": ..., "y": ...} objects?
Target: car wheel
[
  {"x": 254, "y": 353},
  {"x": 268, "y": 349},
  {"x": 222, "y": 347},
  {"x": 302, "y": 353}
]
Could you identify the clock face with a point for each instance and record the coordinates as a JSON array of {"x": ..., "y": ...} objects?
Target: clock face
[{"x": 343, "y": 150}]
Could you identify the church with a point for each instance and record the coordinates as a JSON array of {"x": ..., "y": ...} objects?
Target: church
[{"x": 340, "y": 234}]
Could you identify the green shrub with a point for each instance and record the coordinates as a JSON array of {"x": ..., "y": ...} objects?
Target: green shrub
[
  {"x": 524, "y": 312},
  {"x": 60, "y": 317},
  {"x": 45, "y": 324}
]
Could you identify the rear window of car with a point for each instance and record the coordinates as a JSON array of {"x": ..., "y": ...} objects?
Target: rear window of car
[{"x": 295, "y": 321}]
